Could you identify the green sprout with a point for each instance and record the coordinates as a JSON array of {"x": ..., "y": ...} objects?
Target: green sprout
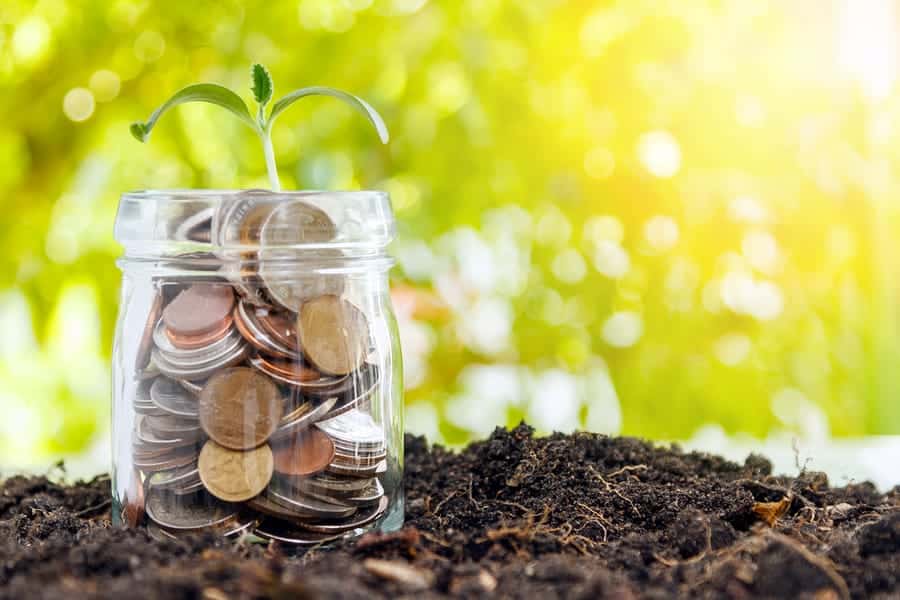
[{"x": 263, "y": 89}]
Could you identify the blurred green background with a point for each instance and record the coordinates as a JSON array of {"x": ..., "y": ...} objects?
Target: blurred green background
[{"x": 648, "y": 217}]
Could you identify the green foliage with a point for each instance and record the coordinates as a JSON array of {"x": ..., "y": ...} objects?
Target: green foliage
[
  {"x": 682, "y": 212},
  {"x": 262, "y": 85}
]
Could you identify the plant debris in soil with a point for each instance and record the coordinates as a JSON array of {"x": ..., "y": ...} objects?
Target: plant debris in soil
[{"x": 564, "y": 516}]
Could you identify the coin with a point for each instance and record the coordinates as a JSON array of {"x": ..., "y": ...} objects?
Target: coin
[
  {"x": 353, "y": 427},
  {"x": 370, "y": 494},
  {"x": 194, "y": 387},
  {"x": 170, "y": 425},
  {"x": 266, "y": 506},
  {"x": 165, "y": 462},
  {"x": 304, "y": 453},
  {"x": 334, "y": 486},
  {"x": 295, "y": 500},
  {"x": 334, "y": 334},
  {"x": 173, "y": 478},
  {"x": 296, "y": 223},
  {"x": 198, "y": 309},
  {"x": 302, "y": 419},
  {"x": 146, "y": 344},
  {"x": 364, "y": 471},
  {"x": 201, "y": 370},
  {"x": 192, "y": 342},
  {"x": 194, "y": 356},
  {"x": 240, "y": 408},
  {"x": 239, "y": 220},
  {"x": 246, "y": 323},
  {"x": 187, "y": 512},
  {"x": 362, "y": 517},
  {"x": 234, "y": 475},
  {"x": 285, "y": 370},
  {"x": 282, "y": 326},
  {"x": 133, "y": 501},
  {"x": 282, "y": 531},
  {"x": 172, "y": 398}
]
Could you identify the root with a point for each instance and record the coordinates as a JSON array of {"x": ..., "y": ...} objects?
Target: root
[
  {"x": 612, "y": 490},
  {"x": 531, "y": 528}
]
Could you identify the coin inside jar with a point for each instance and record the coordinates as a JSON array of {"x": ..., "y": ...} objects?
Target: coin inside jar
[
  {"x": 334, "y": 334},
  {"x": 240, "y": 408},
  {"x": 305, "y": 453},
  {"x": 199, "y": 309},
  {"x": 233, "y": 475}
]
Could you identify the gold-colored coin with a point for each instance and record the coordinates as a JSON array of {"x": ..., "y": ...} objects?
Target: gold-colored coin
[
  {"x": 234, "y": 475},
  {"x": 240, "y": 408},
  {"x": 334, "y": 334}
]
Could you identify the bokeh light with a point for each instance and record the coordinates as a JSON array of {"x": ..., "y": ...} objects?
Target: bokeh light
[{"x": 659, "y": 219}]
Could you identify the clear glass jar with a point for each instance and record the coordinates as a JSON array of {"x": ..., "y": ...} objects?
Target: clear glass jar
[{"x": 256, "y": 366}]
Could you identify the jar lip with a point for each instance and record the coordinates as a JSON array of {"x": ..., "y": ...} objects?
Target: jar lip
[{"x": 206, "y": 193}]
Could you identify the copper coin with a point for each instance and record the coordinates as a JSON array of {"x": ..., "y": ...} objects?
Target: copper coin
[
  {"x": 235, "y": 475},
  {"x": 198, "y": 309},
  {"x": 306, "y": 453},
  {"x": 252, "y": 332},
  {"x": 287, "y": 369},
  {"x": 281, "y": 326},
  {"x": 334, "y": 334},
  {"x": 146, "y": 344},
  {"x": 133, "y": 500},
  {"x": 240, "y": 408},
  {"x": 193, "y": 342}
]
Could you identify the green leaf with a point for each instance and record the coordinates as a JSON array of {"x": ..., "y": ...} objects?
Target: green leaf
[
  {"x": 262, "y": 84},
  {"x": 201, "y": 92},
  {"x": 358, "y": 103}
]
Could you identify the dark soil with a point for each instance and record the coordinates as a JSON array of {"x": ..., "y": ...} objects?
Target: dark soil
[{"x": 580, "y": 516}]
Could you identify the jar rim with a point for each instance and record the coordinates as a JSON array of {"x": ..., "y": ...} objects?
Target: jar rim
[
  {"x": 203, "y": 193},
  {"x": 163, "y": 222}
]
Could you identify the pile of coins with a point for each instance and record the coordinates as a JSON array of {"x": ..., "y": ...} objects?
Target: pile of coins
[{"x": 254, "y": 389}]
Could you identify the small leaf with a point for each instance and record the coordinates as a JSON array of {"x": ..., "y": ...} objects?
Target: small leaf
[
  {"x": 358, "y": 103},
  {"x": 139, "y": 131},
  {"x": 262, "y": 84},
  {"x": 201, "y": 92}
]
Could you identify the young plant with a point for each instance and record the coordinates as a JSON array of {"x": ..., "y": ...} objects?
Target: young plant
[{"x": 263, "y": 89}]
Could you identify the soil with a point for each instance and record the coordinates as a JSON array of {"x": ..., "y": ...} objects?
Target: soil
[{"x": 578, "y": 516}]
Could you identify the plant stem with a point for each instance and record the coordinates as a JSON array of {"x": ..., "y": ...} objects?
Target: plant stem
[{"x": 271, "y": 167}]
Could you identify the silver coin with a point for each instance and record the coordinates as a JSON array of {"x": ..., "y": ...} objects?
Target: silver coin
[
  {"x": 194, "y": 387},
  {"x": 266, "y": 506},
  {"x": 172, "y": 398},
  {"x": 170, "y": 425},
  {"x": 297, "y": 224},
  {"x": 334, "y": 486},
  {"x": 304, "y": 420},
  {"x": 165, "y": 462},
  {"x": 151, "y": 438},
  {"x": 280, "y": 531},
  {"x": 180, "y": 478},
  {"x": 187, "y": 512},
  {"x": 194, "y": 356},
  {"x": 148, "y": 409},
  {"x": 371, "y": 494},
  {"x": 188, "y": 488},
  {"x": 232, "y": 213},
  {"x": 354, "y": 427},
  {"x": 200, "y": 371},
  {"x": 363, "y": 517},
  {"x": 261, "y": 337},
  {"x": 366, "y": 471},
  {"x": 296, "y": 500},
  {"x": 360, "y": 460}
]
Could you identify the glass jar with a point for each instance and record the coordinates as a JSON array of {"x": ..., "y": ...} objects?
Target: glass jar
[{"x": 257, "y": 378}]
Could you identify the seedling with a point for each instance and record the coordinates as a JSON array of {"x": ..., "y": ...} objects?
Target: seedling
[{"x": 263, "y": 89}]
